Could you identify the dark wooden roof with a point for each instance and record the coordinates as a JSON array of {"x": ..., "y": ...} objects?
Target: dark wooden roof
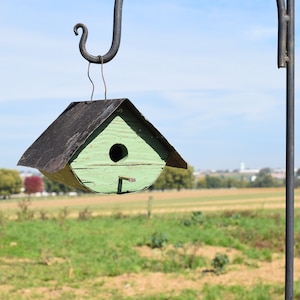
[{"x": 58, "y": 143}]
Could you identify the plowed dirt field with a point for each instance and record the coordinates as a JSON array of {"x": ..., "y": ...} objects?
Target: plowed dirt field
[{"x": 163, "y": 202}]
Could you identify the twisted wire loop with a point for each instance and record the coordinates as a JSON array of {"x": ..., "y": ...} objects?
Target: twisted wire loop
[
  {"x": 103, "y": 79},
  {"x": 102, "y": 75},
  {"x": 115, "y": 40},
  {"x": 93, "y": 86}
]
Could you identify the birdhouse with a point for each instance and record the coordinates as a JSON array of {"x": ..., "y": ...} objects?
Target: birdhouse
[{"x": 104, "y": 146}]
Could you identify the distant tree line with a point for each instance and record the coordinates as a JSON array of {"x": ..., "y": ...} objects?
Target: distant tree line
[
  {"x": 262, "y": 179},
  {"x": 51, "y": 186},
  {"x": 170, "y": 178},
  {"x": 11, "y": 183},
  {"x": 217, "y": 182},
  {"x": 175, "y": 178}
]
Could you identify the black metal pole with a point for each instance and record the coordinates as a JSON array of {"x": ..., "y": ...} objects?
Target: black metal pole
[
  {"x": 290, "y": 108},
  {"x": 286, "y": 59}
]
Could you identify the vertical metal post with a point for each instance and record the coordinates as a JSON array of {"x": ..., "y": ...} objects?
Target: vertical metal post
[
  {"x": 290, "y": 153},
  {"x": 286, "y": 53}
]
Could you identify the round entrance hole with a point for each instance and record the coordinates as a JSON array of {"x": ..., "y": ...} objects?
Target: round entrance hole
[{"x": 118, "y": 152}]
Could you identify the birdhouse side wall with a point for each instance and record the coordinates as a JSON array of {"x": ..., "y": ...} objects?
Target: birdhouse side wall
[{"x": 67, "y": 177}]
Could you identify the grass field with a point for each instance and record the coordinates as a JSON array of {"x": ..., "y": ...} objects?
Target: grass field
[{"x": 206, "y": 244}]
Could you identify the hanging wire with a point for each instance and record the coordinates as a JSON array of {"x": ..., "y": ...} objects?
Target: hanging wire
[
  {"x": 102, "y": 74},
  {"x": 93, "y": 86}
]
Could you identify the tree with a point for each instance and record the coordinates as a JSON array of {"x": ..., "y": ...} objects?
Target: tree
[
  {"x": 33, "y": 184},
  {"x": 264, "y": 179},
  {"x": 217, "y": 182},
  {"x": 52, "y": 186},
  {"x": 297, "y": 179},
  {"x": 213, "y": 182},
  {"x": 175, "y": 178},
  {"x": 10, "y": 182},
  {"x": 201, "y": 183}
]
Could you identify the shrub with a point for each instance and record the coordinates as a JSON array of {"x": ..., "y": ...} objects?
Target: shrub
[
  {"x": 195, "y": 219},
  {"x": 158, "y": 240},
  {"x": 219, "y": 263}
]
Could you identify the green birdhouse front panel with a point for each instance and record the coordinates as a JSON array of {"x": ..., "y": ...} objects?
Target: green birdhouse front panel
[
  {"x": 119, "y": 148},
  {"x": 102, "y": 146}
]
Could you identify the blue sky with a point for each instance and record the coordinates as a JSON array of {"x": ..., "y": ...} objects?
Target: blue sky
[{"x": 203, "y": 72}]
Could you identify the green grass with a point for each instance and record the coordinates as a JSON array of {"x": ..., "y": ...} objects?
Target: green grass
[{"x": 59, "y": 252}]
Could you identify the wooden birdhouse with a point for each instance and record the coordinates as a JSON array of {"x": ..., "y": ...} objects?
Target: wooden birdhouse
[{"x": 104, "y": 146}]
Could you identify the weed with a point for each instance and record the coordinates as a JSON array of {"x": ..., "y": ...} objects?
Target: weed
[
  {"x": 235, "y": 219},
  {"x": 45, "y": 256},
  {"x": 220, "y": 262},
  {"x": 118, "y": 215},
  {"x": 238, "y": 260},
  {"x": 186, "y": 222},
  {"x": 3, "y": 223},
  {"x": 212, "y": 292},
  {"x": 24, "y": 213},
  {"x": 62, "y": 216},
  {"x": 297, "y": 244},
  {"x": 195, "y": 219},
  {"x": 231, "y": 214},
  {"x": 187, "y": 259},
  {"x": 43, "y": 214},
  {"x": 191, "y": 258},
  {"x": 277, "y": 219},
  {"x": 3, "y": 218},
  {"x": 84, "y": 215}
]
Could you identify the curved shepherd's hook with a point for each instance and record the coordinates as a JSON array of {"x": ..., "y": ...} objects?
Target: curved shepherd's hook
[{"x": 115, "y": 42}]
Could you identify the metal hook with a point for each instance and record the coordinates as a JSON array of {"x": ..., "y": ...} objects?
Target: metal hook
[
  {"x": 283, "y": 20},
  {"x": 115, "y": 42}
]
